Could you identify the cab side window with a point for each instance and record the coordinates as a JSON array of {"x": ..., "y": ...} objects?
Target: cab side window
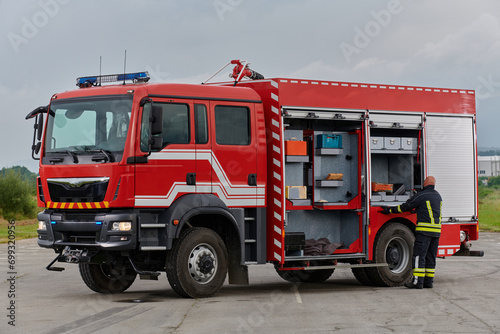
[
  {"x": 175, "y": 124},
  {"x": 232, "y": 125},
  {"x": 200, "y": 124}
]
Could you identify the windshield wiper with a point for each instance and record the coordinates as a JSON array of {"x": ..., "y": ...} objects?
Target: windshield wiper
[
  {"x": 73, "y": 155},
  {"x": 107, "y": 154}
]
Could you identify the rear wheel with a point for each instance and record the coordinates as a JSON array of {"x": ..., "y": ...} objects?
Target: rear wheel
[
  {"x": 197, "y": 263},
  {"x": 304, "y": 276},
  {"x": 362, "y": 276},
  {"x": 107, "y": 278},
  {"x": 394, "y": 246}
]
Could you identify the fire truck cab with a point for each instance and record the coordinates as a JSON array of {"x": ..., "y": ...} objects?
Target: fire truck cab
[{"x": 201, "y": 181}]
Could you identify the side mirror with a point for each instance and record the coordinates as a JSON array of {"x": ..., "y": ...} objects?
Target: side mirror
[
  {"x": 36, "y": 149},
  {"x": 37, "y": 114},
  {"x": 156, "y": 120},
  {"x": 39, "y": 127},
  {"x": 156, "y": 143}
]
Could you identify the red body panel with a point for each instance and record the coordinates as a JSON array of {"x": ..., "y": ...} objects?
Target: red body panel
[{"x": 224, "y": 170}]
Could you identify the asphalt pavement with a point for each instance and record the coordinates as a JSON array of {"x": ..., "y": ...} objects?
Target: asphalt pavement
[{"x": 465, "y": 299}]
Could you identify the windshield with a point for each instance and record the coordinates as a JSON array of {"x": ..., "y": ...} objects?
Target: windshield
[{"x": 76, "y": 126}]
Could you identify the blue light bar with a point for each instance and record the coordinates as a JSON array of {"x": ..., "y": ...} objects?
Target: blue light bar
[
  {"x": 53, "y": 222},
  {"x": 99, "y": 79},
  {"x": 98, "y": 223}
]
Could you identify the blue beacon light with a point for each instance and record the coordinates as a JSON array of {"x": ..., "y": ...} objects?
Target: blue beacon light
[{"x": 99, "y": 79}]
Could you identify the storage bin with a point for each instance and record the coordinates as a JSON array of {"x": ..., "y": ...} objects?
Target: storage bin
[
  {"x": 409, "y": 144},
  {"x": 328, "y": 141},
  {"x": 295, "y": 241},
  {"x": 296, "y": 192},
  {"x": 392, "y": 143},
  {"x": 377, "y": 143},
  {"x": 295, "y": 147}
]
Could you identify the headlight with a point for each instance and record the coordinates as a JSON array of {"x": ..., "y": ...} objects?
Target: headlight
[
  {"x": 121, "y": 226},
  {"x": 42, "y": 225}
]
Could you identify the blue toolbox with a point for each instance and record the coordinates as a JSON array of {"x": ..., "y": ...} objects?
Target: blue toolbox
[{"x": 328, "y": 141}]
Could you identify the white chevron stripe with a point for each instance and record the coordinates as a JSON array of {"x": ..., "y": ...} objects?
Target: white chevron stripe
[{"x": 231, "y": 195}]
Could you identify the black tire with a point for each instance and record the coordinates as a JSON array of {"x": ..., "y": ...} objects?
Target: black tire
[
  {"x": 104, "y": 278},
  {"x": 186, "y": 276},
  {"x": 304, "y": 276},
  {"x": 394, "y": 246},
  {"x": 362, "y": 276}
]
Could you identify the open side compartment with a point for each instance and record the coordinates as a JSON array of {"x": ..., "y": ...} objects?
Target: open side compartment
[{"x": 323, "y": 188}]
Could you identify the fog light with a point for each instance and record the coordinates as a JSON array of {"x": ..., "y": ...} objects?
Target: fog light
[
  {"x": 42, "y": 225},
  {"x": 463, "y": 235},
  {"x": 122, "y": 226}
]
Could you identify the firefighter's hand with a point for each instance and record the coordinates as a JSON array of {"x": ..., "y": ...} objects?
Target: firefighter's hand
[{"x": 386, "y": 210}]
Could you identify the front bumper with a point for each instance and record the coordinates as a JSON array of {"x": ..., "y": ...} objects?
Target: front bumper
[{"x": 88, "y": 230}]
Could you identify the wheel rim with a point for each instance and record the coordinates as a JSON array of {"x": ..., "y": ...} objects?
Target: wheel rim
[
  {"x": 397, "y": 255},
  {"x": 202, "y": 263}
]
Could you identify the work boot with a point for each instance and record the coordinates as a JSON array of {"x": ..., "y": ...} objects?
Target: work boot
[
  {"x": 427, "y": 284},
  {"x": 411, "y": 285}
]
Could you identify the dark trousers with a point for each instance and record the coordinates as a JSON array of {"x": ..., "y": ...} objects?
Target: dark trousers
[{"x": 424, "y": 258}]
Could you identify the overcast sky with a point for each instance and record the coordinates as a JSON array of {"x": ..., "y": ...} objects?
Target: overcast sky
[{"x": 46, "y": 44}]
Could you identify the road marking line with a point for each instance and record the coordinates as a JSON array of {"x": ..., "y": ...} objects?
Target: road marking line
[{"x": 297, "y": 294}]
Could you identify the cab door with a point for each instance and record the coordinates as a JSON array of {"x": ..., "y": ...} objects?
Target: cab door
[
  {"x": 203, "y": 147},
  {"x": 234, "y": 153},
  {"x": 171, "y": 171}
]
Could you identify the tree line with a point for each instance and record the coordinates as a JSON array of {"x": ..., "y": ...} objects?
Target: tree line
[{"x": 17, "y": 193}]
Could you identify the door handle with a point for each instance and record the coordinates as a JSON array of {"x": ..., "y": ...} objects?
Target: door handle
[
  {"x": 252, "y": 179},
  {"x": 191, "y": 179}
]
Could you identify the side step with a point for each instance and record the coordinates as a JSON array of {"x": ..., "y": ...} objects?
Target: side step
[{"x": 143, "y": 274}]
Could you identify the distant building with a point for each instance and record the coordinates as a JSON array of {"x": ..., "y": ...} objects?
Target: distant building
[{"x": 489, "y": 166}]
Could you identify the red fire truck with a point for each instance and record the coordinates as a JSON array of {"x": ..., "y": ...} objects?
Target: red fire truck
[{"x": 201, "y": 181}]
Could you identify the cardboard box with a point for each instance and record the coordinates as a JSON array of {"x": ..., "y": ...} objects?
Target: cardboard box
[
  {"x": 295, "y": 147},
  {"x": 335, "y": 176},
  {"x": 385, "y": 187},
  {"x": 296, "y": 192}
]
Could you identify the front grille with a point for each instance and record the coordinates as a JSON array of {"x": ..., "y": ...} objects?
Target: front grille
[{"x": 78, "y": 190}]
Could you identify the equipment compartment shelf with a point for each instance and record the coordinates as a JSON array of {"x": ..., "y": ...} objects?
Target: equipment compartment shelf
[
  {"x": 400, "y": 151},
  {"x": 329, "y": 183},
  {"x": 329, "y": 151},
  {"x": 297, "y": 158}
]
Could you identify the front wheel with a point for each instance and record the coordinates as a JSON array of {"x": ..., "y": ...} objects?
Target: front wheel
[
  {"x": 107, "y": 278},
  {"x": 197, "y": 263},
  {"x": 394, "y": 246}
]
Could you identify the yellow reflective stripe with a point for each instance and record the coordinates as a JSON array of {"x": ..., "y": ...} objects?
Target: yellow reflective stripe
[
  {"x": 429, "y": 272},
  {"x": 428, "y": 224},
  {"x": 428, "y": 229},
  {"x": 440, "y": 211},
  {"x": 419, "y": 272},
  {"x": 399, "y": 209},
  {"x": 429, "y": 208}
]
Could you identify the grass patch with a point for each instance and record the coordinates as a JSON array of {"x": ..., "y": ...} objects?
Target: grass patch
[
  {"x": 489, "y": 211},
  {"x": 25, "y": 229}
]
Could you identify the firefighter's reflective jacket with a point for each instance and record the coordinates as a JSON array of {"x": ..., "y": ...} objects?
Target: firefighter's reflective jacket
[{"x": 428, "y": 204}]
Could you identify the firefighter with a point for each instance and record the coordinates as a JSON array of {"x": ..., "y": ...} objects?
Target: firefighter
[{"x": 428, "y": 204}]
